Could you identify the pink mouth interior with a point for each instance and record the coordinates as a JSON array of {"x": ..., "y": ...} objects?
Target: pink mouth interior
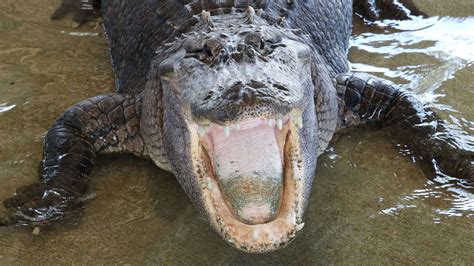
[
  {"x": 252, "y": 149},
  {"x": 248, "y": 164}
]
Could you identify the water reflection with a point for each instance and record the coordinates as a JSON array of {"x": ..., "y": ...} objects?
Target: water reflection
[
  {"x": 4, "y": 107},
  {"x": 422, "y": 55},
  {"x": 459, "y": 196},
  {"x": 446, "y": 41},
  {"x": 77, "y": 33}
]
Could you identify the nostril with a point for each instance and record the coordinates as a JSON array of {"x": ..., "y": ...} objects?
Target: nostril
[
  {"x": 207, "y": 50},
  {"x": 280, "y": 87},
  {"x": 209, "y": 96}
]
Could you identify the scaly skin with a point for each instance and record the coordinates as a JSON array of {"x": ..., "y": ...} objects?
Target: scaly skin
[
  {"x": 368, "y": 99},
  {"x": 99, "y": 125},
  {"x": 181, "y": 69}
]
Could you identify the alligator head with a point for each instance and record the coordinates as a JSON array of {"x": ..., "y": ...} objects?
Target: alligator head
[{"x": 239, "y": 127}]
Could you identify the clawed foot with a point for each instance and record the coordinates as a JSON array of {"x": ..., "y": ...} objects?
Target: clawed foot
[
  {"x": 368, "y": 99},
  {"x": 82, "y": 10},
  {"x": 38, "y": 204}
]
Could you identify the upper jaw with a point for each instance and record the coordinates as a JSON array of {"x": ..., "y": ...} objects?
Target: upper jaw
[
  {"x": 257, "y": 237},
  {"x": 233, "y": 100}
]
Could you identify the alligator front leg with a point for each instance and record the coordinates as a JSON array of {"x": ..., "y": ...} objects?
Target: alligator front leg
[
  {"x": 368, "y": 99},
  {"x": 102, "y": 124}
]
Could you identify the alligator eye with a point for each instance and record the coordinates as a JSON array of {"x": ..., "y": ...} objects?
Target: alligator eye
[
  {"x": 212, "y": 47},
  {"x": 166, "y": 69},
  {"x": 207, "y": 50},
  {"x": 274, "y": 39},
  {"x": 254, "y": 39}
]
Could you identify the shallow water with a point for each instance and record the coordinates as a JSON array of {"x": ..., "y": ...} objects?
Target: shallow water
[{"x": 370, "y": 204}]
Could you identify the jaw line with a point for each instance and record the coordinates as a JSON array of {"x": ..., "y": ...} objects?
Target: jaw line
[{"x": 257, "y": 238}]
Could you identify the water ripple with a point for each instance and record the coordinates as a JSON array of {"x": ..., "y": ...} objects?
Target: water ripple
[
  {"x": 446, "y": 41},
  {"x": 4, "y": 107},
  {"x": 425, "y": 53},
  {"x": 451, "y": 190}
]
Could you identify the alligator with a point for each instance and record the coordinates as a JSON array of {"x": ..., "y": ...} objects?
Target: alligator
[{"x": 237, "y": 99}]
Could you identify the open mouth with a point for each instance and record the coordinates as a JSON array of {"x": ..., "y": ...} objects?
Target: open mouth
[{"x": 251, "y": 179}]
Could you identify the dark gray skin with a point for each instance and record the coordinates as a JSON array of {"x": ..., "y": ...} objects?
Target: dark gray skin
[{"x": 190, "y": 73}]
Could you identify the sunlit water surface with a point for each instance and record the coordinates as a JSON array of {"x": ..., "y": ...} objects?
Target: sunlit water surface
[{"x": 370, "y": 204}]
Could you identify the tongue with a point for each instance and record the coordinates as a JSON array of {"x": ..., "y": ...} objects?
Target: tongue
[{"x": 249, "y": 167}]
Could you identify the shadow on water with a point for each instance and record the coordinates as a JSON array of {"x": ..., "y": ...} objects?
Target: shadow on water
[{"x": 370, "y": 204}]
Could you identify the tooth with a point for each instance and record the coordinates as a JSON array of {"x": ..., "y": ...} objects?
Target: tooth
[
  {"x": 202, "y": 131},
  {"x": 298, "y": 120},
  {"x": 237, "y": 126},
  {"x": 226, "y": 131},
  {"x": 279, "y": 123},
  {"x": 255, "y": 236},
  {"x": 209, "y": 185},
  {"x": 299, "y": 227},
  {"x": 292, "y": 216},
  {"x": 271, "y": 122}
]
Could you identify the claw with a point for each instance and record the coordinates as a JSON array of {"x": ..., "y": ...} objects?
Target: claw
[{"x": 36, "y": 231}]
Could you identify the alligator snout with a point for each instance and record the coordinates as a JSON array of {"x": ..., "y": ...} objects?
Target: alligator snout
[
  {"x": 245, "y": 93},
  {"x": 244, "y": 99}
]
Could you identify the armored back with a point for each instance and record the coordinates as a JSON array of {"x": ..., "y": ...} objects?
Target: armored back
[{"x": 135, "y": 29}]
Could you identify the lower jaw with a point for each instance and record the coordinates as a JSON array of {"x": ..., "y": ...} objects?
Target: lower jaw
[{"x": 259, "y": 238}]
